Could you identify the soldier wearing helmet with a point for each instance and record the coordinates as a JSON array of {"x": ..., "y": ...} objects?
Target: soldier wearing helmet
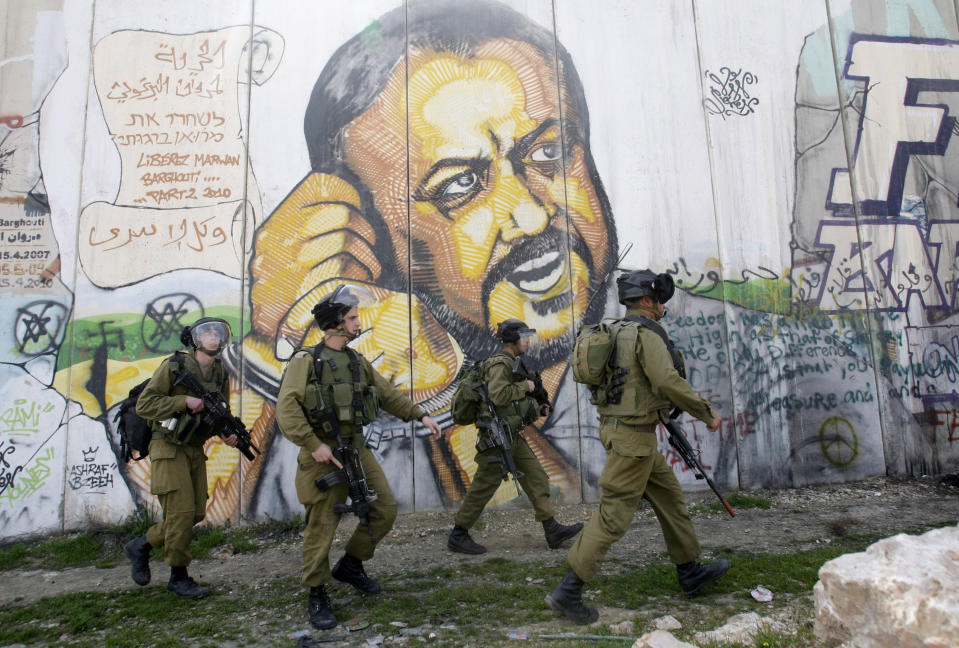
[
  {"x": 512, "y": 396},
  {"x": 178, "y": 468},
  {"x": 331, "y": 375},
  {"x": 653, "y": 384}
]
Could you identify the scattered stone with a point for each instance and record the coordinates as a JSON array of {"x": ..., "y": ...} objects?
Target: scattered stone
[
  {"x": 625, "y": 628},
  {"x": 667, "y": 622},
  {"x": 741, "y": 628},
  {"x": 374, "y": 642},
  {"x": 414, "y": 632},
  {"x": 222, "y": 553},
  {"x": 399, "y": 624},
  {"x": 902, "y": 591},
  {"x": 761, "y": 594},
  {"x": 661, "y": 639}
]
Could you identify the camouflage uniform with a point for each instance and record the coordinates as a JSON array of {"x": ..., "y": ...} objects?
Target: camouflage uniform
[
  {"x": 294, "y": 402},
  {"x": 178, "y": 465},
  {"x": 634, "y": 467},
  {"x": 515, "y": 404}
]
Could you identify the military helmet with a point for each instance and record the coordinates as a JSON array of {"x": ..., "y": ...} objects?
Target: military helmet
[
  {"x": 207, "y": 329},
  {"x": 510, "y": 330},
  {"x": 645, "y": 283},
  {"x": 330, "y": 311}
]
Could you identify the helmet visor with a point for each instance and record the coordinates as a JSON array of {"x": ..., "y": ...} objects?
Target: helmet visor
[
  {"x": 533, "y": 342},
  {"x": 351, "y": 295},
  {"x": 211, "y": 335}
]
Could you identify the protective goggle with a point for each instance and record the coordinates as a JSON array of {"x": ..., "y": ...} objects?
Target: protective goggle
[
  {"x": 351, "y": 295},
  {"x": 211, "y": 334}
]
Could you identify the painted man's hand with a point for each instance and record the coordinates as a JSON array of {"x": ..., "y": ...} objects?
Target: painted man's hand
[
  {"x": 433, "y": 427},
  {"x": 316, "y": 234},
  {"x": 717, "y": 421}
]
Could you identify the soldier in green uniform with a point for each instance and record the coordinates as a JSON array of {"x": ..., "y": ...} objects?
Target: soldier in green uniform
[
  {"x": 333, "y": 379},
  {"x": 178, "y": 465},
  {"x": 634, "y": 469},
  {"x": 513, "y": 397}
]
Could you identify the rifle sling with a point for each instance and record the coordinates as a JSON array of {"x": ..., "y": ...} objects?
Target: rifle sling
[{"x": 655, "y": 327}]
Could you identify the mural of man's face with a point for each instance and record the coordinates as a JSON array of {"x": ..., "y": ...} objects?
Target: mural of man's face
[{"x": 491, "y": 204}]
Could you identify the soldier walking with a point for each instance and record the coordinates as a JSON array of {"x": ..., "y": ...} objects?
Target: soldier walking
[
  {"x": 327, "y": 389},
  {"x": 651, "y": 385},
  {"x": 513, "y": 398}
]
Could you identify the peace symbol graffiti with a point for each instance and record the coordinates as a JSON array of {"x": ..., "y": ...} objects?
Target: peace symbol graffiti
[{"x": 838, "y": 441}]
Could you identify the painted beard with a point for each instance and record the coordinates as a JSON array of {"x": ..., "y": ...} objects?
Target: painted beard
[{"x": 532, "y": 266}]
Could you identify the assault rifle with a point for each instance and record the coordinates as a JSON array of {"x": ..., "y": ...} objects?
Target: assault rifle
[
  {"x": 216, "y": 413},
  {"x": 500, "y": 437},
  {"x": 351, "y": 473},
  {"x": 539, "y": 392},
  {"x": 686, "y": 452}
]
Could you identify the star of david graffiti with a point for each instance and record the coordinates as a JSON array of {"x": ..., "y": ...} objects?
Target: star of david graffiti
[
  {"x": 838, "y": 441},
  {"x": 38, "y": 327},
  {"x": 164, "y": 319}
]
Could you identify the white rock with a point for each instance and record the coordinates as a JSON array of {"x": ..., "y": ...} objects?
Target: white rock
[
  {"x": 741, "y": 628},
  {"x": 624, "y": 628},
  {"x": 902, "y": 591},
  {"x": 661, "y": 639},
  {"x": 667, "y": 622}
]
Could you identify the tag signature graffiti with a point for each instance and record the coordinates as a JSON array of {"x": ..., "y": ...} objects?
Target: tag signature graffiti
[{"x": 729, "y": 95}]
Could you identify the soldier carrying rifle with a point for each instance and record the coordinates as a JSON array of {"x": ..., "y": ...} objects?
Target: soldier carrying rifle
[
  {"x": 328, "y": 393},
  {"x": 178, "y": 471},
  {"x": 642, "y": 381},
  {"x": 514, "y": 406}
]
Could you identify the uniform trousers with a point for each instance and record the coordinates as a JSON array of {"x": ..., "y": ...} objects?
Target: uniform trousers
[
  {"x": 321, "y": 520},
  {"x": 178, "y": 479},
  {"x": 488, "y": 478},
  {"x": 624, "y": 482}
]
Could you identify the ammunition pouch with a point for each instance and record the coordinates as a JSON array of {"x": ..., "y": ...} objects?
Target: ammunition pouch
[
  {"x": 192, "y": 429},
  {"x": 324, "y": 422},
  {"x": 335, "y": 478}
]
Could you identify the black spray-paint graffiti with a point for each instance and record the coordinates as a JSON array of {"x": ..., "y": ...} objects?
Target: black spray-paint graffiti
[
  {"x": 38, "y": 326},
  {"x": 97, "y": 382},
  {"x": 8, "y": 473},
  {"x": 91, "y": 476},
  {"x": 728, "y": 93},
  {"x": 163, "y": 320}
]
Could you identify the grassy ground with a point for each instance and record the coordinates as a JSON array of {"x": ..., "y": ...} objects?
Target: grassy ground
[{"x": 479, "y": 604}]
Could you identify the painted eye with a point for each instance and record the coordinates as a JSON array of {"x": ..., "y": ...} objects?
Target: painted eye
[
  {"x": 546, "y": 153},
  {"x": 461, "y": 184}
]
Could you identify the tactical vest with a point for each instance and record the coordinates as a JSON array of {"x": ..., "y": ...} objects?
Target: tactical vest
[
  {"x": 518, "y": 413},
  {"x": 339, "y": 383},
  {"x": 187, "y": 428},
  {"x": 638, "y": 399}
]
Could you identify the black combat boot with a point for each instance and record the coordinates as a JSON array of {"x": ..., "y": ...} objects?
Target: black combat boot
[
  {"x": 461, "y": 542},
  {"x": 557, "y": 534},
  {"x": 138, "y": 551},
  {"x": 321, "y": 613},
  {"x": 350, "y": 570},
  {"x": 693, "y": 577},
  {"x": 182, "y": 585},
  {"x": 567, "y": 599}
]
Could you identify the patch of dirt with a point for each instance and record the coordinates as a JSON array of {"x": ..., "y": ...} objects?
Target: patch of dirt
[{"x": 798, "y": 519}]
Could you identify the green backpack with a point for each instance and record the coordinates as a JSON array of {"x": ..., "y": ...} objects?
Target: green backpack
[
  {"x": 594, "y": 362},
  {"x": 466, "y": 403},
  {"x": 591, "y": 353}
]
